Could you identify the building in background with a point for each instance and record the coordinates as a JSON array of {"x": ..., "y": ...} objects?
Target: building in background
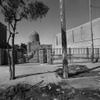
[
  {"x": 3, "y": 36},
  {"x": 33, "y": 43},
  {"x": 80, "y": 37},
  {"x": 34, "y": 48},
  {"x": 3, "y": 44}
]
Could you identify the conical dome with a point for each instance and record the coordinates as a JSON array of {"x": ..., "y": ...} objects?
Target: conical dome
[{"x": 34, "y": 37}]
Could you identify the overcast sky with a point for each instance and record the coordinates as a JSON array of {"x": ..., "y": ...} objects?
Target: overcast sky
[{"x": 77, "y": 13}]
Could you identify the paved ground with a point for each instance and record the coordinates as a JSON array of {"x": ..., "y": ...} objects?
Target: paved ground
[
  {"x": 29, "y": 73},
  {"x": 32, "y": 73}
]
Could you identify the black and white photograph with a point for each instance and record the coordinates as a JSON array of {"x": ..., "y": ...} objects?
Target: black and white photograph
[{"x": 49, "y": 49}]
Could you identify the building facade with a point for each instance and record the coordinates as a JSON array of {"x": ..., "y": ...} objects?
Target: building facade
[{"x": 80, "y": 37}]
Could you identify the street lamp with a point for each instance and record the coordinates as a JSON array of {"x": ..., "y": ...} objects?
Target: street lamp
[
  {"x": 91, "y": 30},
  {"x": 63, "y": 36}
]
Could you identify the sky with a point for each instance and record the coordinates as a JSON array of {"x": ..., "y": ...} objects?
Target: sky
[{"x": 77, "y": 13}]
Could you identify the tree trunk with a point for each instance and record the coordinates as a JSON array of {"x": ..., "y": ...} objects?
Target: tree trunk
[
  {"x": 9, "y": 60},
  {"x": 8, "y": 52},
  {"x": 64, "y": 38},
  {"x": 91, "y": 30},
  {"x": 64, "y": 54},
  {"x": 12, "y": 60}
]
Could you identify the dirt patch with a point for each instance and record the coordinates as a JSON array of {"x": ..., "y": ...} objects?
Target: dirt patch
[
  {"x": 49, "y": 92},
  {"x": 53, "y": 91},
  {"x": 75, "y": 71}
]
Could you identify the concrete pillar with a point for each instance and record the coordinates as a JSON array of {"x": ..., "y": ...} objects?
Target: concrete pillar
[
  {"x": 87, "y": 52},
  {"x": 28, "y": 48},
  {"x": 49, "y": 56},
  {"x": 70, "y": 55},
  {"x": 96, "y": 53},
  {"x": 41, "y": 56}
]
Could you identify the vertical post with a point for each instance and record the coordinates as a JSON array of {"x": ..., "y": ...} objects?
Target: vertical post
[
  {"x": 13, "y": 58},
  {"x": 49, "y": 55},
  {"x": 41, "y": 55},
  {"x": 70, "y": 57},
  {"x": 96, "y": 54},
  {"x": 37, "y": 56},
  {"x": 91, "y": 30},
  {"x": 64, "y": 42},
  {"x": 87, "y": 53}
]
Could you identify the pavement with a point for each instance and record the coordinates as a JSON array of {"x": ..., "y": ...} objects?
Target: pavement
[
  {"x": 32, "y": 73},
  {"x": 29, "y": 73}
]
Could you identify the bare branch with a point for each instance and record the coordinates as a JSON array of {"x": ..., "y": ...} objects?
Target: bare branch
[
  {"x": 10, "y": 33},
  {"x": 11, "y": 25}
]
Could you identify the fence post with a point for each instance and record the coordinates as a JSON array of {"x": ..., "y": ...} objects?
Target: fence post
[
  {"x": 49, "y": 55},
  {"x": 41, "y": 56},
  {"x": 87, "y": 53},
  {"x": 38, "y": 55},
  {"x": 70, "y": 56},
  {"x": 96, "y": 54}
]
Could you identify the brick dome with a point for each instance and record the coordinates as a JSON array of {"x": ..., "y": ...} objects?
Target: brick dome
[{"x": 34, "y": 37}]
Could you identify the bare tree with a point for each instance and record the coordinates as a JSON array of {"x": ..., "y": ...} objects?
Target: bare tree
[{"x": 14, "y": 11}]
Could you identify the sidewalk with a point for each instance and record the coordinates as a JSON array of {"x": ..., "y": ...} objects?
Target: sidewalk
[{"x": 31, "y": 73}]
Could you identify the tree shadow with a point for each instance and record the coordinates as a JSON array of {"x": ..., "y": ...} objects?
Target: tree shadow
[
  {"x": 75, "y": 74},
  {"x": 81, "y": 72},
  {"x": 69, "y": 74},
  {"x": 26, "y": 75}
]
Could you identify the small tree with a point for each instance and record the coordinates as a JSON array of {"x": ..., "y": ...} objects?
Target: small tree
[
  {"x": 14, "y": 11},
  {"x": 23, "y": 46}
]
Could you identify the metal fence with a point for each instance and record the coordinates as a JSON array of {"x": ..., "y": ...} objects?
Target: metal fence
[{"x": 83, "y": 54}]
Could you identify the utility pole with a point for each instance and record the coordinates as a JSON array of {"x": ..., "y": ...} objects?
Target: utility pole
[
  {"x": 63, "y": 36},
  {"x": 91, "y": 30}
]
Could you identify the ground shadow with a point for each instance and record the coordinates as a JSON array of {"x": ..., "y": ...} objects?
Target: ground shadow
[
  {"x": 70, "y": 74},
  {"x": 76, "y": 74},
  {"x": 26, "y": 75},
  {"x": 85, "y": 71}
]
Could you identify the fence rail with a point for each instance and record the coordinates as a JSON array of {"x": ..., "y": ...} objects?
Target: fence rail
[{"x": 76, "y": 53}]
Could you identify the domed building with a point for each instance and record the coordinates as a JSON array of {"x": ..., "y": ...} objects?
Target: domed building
[
  {"x": 34, "y": 46},
  {"x": 34, "y": 37},
  {"x": 33, "y": 42}
]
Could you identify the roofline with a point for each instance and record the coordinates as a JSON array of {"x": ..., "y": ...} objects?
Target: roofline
[
  {"x": 97, "y": 19},
  {"x": 84, "y": 24}
]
